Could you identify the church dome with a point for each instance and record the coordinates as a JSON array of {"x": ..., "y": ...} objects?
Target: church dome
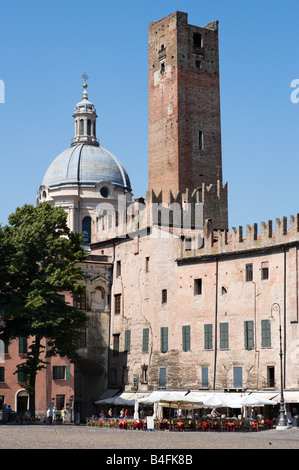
[{"x": 86, "y": 164}]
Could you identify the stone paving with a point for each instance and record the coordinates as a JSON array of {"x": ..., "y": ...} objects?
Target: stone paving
[{"x": 84, "y": 437}]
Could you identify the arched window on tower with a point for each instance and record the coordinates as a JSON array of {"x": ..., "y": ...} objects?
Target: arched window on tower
[
  {"x": 81, "y": 126},
  {"x": 88, "y": 127},
  {"x": 86, "y": 230}
]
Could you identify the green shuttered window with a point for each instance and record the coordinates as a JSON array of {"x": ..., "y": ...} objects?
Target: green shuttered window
[
  {"x": 164, "y": 339},
  {"x": 186, "y": 338}
]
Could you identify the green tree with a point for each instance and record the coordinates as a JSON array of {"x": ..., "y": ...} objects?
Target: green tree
[{"x": 39, "y": 261}]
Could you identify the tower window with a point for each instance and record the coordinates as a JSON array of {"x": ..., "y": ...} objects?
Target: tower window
[
  {"x": 265, "y": 270},
  {"x": 86, "y": 230},
  {"x": 197, "y": 40},
  {"x": 88, "y": 127},
  {"x": 197, "y": 286},
  {"x": 164, "y": 296},
  {"x": 81, "y": 126},
  {"x": 162, "y": 68},
  {"x": 249, "y": 272},
  {"x": 200, "y": 140}
]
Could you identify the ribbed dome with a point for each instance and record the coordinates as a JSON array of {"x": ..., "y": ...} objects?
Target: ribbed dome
[{"x": 86, "y": 164}]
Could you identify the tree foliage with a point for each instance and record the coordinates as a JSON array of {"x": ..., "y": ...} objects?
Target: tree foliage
[{"x": 39, "y": 258}]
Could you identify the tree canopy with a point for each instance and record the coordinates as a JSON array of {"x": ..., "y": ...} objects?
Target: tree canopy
[{"x": 39, "y": 262}]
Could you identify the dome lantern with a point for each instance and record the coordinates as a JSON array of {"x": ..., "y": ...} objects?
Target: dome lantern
[{"x": 85, "y": 119}]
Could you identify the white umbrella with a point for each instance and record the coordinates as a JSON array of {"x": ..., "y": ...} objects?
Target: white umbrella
[
  {"x": 222, "y": 400},
  {"x": 115, "y": 401},
  {"x": 136, "y": 414},
  {"x": 212, "y": 401},
  {"x": 253, "y": 400}
]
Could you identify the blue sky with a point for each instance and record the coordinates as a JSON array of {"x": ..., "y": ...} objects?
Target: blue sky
[{"x": 47, "y": 45}]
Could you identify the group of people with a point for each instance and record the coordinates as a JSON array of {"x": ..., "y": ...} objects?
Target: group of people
[{"x": 123, "y": 414}]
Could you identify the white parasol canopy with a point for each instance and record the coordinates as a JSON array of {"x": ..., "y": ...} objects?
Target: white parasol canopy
[
  {"x": 253, "y": 400},
  {"x": 115, "y": 401},
  {"x": 221, "y": 400}
]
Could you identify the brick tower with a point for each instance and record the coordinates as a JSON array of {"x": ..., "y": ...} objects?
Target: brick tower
[{"x": 184, "y": 109}]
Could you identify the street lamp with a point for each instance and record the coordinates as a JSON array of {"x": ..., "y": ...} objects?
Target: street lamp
[{"x": 282, "y": 422}]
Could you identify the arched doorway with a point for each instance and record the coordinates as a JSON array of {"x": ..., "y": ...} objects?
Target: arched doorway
[{"x": 22, "y": 401}]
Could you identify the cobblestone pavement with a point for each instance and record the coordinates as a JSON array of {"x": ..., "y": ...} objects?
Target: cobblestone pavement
[{"x": 84, "y": 437}]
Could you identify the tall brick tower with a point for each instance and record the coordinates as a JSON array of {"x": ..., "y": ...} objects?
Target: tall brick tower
[
  {"x": 184, "y": 107},
  {"x": 184, "y": 104}
]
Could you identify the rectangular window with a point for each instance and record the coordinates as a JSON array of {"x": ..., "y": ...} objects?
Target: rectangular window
[
  {"x": 248, "y": 334},
  {"x": 164, "y": 296},
  {"x": 197, "y": 286},
  {"x": 205, "y": 377},
  {"x": 118, "y": 268},
  {"x": 145, "y": 340},
  {"x": 117, "y": 302},
  {"x": 198, "y": 64},
  {"x": 271, "y": 377},
  {"x": 162, "y": 377},
  {"x": 238, "y": 379},
  {"x": 115, "y": 345},
  {"x": 60, "y": 401},
  {"x": 22, "y": 376},
  {"x": 200, "y": 140},
  {"x": 188, "y": 243},
  {"x": 2, "y": 374},
  {"x": 164, "y": 339},
  {"x": 208, "y": 333},
  {"x": 223, "y": 335},
  {"x": 147, "y": 264},
  {"x": 266, "y": 334},
  {"x": 80, "y": 302},
  {"x": 186, "y": 338},
  {"x": 248, "y": 272},
  {"x": 265, "y": 270},
  {"x": 22, "y": 345},
  {"x": 127, "y": 340},
  {"x": 135, "y": 380},
  {"x": 61, "y": 372},
  {"x": 162, "y": 67},
  {"x": 197, "y": 40}
]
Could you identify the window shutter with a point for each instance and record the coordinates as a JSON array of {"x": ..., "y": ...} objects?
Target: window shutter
[
  {"x": 22, "y": 345},
  {"x": 205, "y": 377},
  {"x": 208, "y": 333},
  {"x": 249, "y": 334},
  {"x": 266, "y": 334},
  {"x": 127, "y": 340},
  {"x": 186, "y": 338},
  {"x": 145, "y": 340},
  {"x": 68, "y": 372},
  {"x": 2, "y": 374},
  {"x": 162, "y": 378},
  {"x": 238, "y": 382},
  {"x": 54, "y": 373},
  {"x": 164, "y": 339},
  {"x": 223, "y": 335}
]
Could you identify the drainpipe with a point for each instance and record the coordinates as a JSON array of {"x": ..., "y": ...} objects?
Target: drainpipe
[
  {"x": 216, "y": 329},
  {"x": 284, "y": 312}
]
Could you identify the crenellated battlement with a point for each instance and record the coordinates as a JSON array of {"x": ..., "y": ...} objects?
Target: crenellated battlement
[
  {"x": 184, "y": 210},
  {"x": 221, "y": 241}
]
